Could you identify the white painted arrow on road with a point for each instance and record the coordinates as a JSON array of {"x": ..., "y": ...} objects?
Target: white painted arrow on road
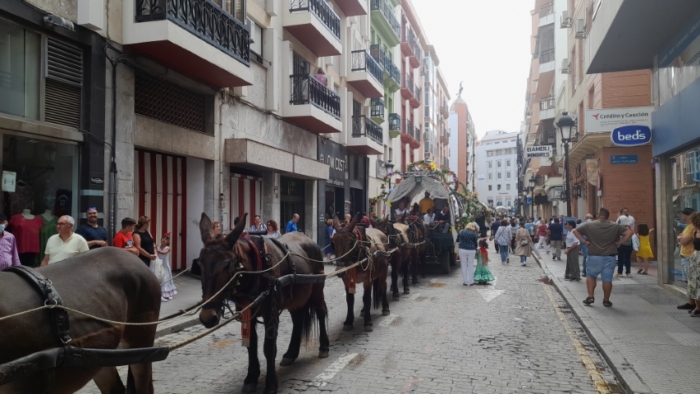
[{"x": 489, "y": 294}]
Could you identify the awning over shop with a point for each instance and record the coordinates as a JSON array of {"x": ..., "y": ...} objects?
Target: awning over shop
[
  {"x": 553, "y": 182},
  {"x": 589, "y": 144},
  {"x": 539, "y": 191},
  {"x": 410, "y": 188},
  {"x": 620, "y": 38},
  {"x": 252, "y": 154}
]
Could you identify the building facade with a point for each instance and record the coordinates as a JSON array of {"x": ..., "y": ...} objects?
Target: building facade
[
  {"x": 669, "y": 58},
  {"x": 497, "y": 165},
  {"x": 52, "y": 120},
  {"x": 462, "y": 143}
]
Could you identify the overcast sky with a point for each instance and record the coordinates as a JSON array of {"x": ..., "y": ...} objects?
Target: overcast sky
[{"x": 486, "y": 44}]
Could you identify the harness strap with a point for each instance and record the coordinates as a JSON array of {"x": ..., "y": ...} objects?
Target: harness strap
[{"x": 59, "y": 316}]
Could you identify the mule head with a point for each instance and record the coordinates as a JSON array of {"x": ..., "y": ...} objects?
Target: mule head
[
  {"x": 219, "y": 260},
  {"x": 345, "y": 240}
]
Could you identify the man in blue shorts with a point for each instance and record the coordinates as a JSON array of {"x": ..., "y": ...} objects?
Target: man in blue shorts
[{"x": 602, "y": 237}]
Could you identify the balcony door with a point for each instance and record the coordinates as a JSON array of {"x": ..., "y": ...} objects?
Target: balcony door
[{"x": 301, "y": 66}]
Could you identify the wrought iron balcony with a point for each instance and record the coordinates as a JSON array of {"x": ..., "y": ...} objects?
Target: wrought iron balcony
[
  {"x": 394, "y": 122},
  {"x": 377, "y": 110},
  {"x": 203, "y": 18},
  {"x": 547, "y": 56},
  {"x": 410, "y": 47},
  {"x": 547, "y": 103},
  {"x": 362, "y": 126},
  {"x": 363, "y": 61},
  {"x": 322, "y": 10},
  {"x": 308, "y": 90},
  {"x": 387, "y": 21},
  {"x": 416, "y": 98},
  {"x": 407, "y": 86},
  {"x": 393, "y": 71},
  {"x": 546, "y": 9}
]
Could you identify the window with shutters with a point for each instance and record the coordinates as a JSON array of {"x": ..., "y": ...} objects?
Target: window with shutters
[{"x": 41, "y": 77}]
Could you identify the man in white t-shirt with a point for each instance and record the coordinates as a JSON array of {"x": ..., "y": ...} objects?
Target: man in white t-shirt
[
  {"x": 626, "y": 212},
  {"x": 65, "y": 244}
]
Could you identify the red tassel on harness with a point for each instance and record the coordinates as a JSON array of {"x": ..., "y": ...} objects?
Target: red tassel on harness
[
  {"x": 350, "y": 274},
  {"x": 245, "y": 325}
]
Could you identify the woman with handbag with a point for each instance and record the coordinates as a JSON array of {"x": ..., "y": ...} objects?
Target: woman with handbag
[{"x": 523, "y": 245}]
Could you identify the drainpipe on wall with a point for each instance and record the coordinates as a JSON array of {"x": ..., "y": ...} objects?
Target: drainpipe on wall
[{"x": 113, "y": 164}]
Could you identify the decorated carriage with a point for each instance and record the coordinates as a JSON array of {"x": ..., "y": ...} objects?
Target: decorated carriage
[{"x": 444, "y": 189}]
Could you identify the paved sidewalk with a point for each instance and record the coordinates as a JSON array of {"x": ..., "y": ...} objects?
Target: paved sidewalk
[
  {"x": 189, "y": 292},
  {"x": 653, "y": 346}
]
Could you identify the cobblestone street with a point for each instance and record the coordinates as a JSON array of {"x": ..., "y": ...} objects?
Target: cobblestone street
[{"x": 515, "y": 336}]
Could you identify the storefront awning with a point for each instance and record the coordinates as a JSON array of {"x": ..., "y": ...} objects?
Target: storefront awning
[
  {"x": 588, "y": 145},
  {"x": 539, "y": 191},
  {"x": 252, "y": 154},
  {"x": 553, "y": 182}
]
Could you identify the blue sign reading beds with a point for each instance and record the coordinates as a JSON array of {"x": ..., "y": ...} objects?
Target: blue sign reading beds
[
  {"x": 631, "y": 135},
  {"x": 624, "y": 159}
]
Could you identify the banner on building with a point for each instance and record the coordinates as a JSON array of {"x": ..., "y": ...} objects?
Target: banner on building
[
  {"x": 609, "y": 119},
  {"x": 540, "y": 151},
  {"x": 592, "y": 171}
]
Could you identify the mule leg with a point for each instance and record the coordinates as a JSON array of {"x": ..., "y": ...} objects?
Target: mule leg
[
  {"x": 141, "y": 374},
  {"x": 367, "y": 302},
  {"x": 405, "y": 271},
  {"x": 423, "y": 254},
  {"x": 295, "y": 342},
  {"x": 349, "y": 320},
  {"x": 270, "y": 350},
  {"x": 109, "y": 382},
  {"x": 395, "y": 262},
  {"x": 319, "y": 300},
  {"x": 383, "y": 293},
  {"x": 250, "y": 384},
  {"x": 414, "y": 266}
]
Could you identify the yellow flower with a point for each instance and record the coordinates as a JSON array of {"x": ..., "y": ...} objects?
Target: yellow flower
[{"x": 388, "y": 204}]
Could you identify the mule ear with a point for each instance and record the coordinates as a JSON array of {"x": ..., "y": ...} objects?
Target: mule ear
[
  {"x": 353, "y": 222},
  {"x": 205, "y": 228},
  {"x": 374, "y": 223},
  {"x": 233, "y": 236},
  {"x": 336, "y": 223}
]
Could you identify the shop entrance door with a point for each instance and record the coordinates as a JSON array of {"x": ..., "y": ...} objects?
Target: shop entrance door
[
  {"x": 292, "y": 200},
  {"x": 161, "y": 195}
]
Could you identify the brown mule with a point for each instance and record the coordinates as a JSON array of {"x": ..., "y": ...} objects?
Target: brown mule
[
  {"x": 108, "y": 282},
  {"x": 373, "y": 245},
  {"x": 397, "y": 234},
  {"x": 221, "y": 258}
]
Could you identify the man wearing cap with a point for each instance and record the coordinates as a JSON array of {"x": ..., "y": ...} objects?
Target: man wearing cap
[
  {"x": 686, "y": 241},
  {"x": 94, "y": 234},
  {"x": 8, "y": 246}
]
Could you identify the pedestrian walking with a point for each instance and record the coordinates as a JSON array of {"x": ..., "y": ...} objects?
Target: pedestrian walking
[
  {"x": 572, "y": 271},
  {"x": 644, "y": 252},
  {"x": 292, "y": 224},
  {"x": 542, "y": 232},
  {"x": 143, "y": 241},
  {"x": 167, "y": 288},
  {"x": 624, "y": 251},
  {"x": 330, "y": 232},
  {"x": 514, "y": 227},
  {"x": 494, "y": 229},
  {"x": 468, "y": 241},
  {"x": 9, "y": 257},
  {"x": 65, "y": 244},
  {"x": 603, "y": 239},
  {"x": 694, "y": 271},
  {"x": 556, "y": 232},
  {"x": 503, "y": 237},
  {"x": 523, "y": 244},
  {"x": 686, "y": 251},
  {"x": 482, "y": 274},
  {"x": 273, "y": 230},
  {"x": 94, "y": 234}
]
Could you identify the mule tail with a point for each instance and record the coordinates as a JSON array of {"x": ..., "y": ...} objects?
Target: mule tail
[{"x": 309, "y": 319}]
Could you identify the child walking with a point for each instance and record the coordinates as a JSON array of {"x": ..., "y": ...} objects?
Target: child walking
[
  {"x": 483, "y": 275},
  {"x": 643, "y": 248},
  {"x": 167, "y": 289}
]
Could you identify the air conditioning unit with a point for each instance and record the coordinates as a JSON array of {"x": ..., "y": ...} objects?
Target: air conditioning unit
[
  {"x": 565, "y": 21},
  {"x": 565, "y": 69},
  {"x": 580, "y": 28}
]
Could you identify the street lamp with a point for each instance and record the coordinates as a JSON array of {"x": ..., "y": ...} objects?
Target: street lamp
[
  {"x": 389, "y": 166},
  {"x": 566, "y": 128}
]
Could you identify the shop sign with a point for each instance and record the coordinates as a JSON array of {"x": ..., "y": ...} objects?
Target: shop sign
[
  {"x": 96, "y": 180},
  {"x": 631, "y": 135},
  {"x": 9, "y": 179},
  {"x": 336, "y": 157},
  {"x": 609, "y": 119},
  {"x": 624, "y": 159},
  {"x": 529, "y": 201},
  {"x": 381, "y": 169},
  {"x": 540, "y": 151}
]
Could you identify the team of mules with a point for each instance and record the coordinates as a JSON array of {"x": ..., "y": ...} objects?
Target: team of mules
[{"x": 260, "y": 275}]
